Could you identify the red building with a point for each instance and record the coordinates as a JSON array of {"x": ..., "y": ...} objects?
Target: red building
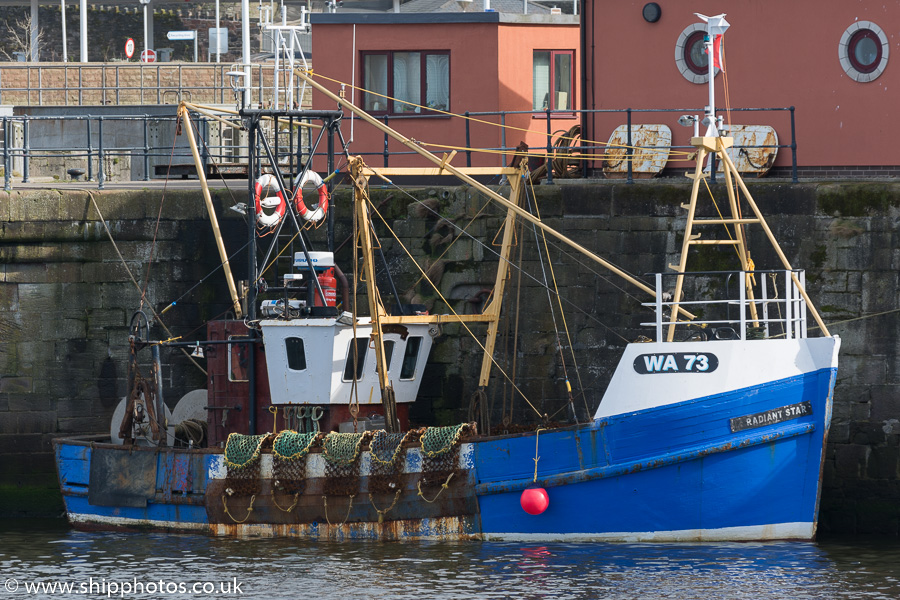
[
  {"x": 417, "y": 68},
  {"x": 837, "y": 62}
]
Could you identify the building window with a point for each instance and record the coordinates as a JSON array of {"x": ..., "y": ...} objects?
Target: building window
[
  {"x": 863, "y": 51},
  {"x": 690, "y": 54},
  {"x": 553, "y": 80},
  {"x": 406, "y": 82}
]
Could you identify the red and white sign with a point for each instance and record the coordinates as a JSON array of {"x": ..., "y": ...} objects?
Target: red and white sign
[
  {"x": 129, "y": 47},
  {"x": 148, "y": 56}
]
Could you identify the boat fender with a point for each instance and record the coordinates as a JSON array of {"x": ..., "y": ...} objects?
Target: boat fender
[
  {"x": 534, "y": 500},
  {"x": 268, "y": 219},
  {"x": 317, "y": 212}
]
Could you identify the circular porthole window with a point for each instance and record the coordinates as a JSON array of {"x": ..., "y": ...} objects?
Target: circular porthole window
[
  {"x": 863, "y": 51},
  {"x": 690, "y": 54}
]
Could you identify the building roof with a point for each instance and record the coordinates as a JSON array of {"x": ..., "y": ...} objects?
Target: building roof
[
  {"x": 411, "y": 18},
  {"x": 455, "y": 6}
]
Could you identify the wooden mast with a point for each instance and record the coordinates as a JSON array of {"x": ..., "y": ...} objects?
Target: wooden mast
[
  {"x": 376, "y": 307},
  {"x": 719, "y": 146},
  {"x": 201, "y": 175},
  {"x": 493, "y": 309}
]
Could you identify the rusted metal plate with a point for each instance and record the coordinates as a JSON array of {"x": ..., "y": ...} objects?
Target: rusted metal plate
[
  {"x": 443, "y": 528},
  {"x": 443, "y": 513},
  {"x": 121, "y": 478},
  {"x": 650, "y": 143},
  {"x": 755, "y": 147}
]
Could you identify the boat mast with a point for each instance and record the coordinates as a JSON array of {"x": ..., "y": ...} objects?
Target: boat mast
[
  {"x": 714, "y": 143},
  {"x": 493, "y": 309},
  {"x": 376, "y": 307},
  {"x": 201, "y": 175}
]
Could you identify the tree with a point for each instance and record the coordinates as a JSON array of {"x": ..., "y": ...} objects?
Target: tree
[{"x": 19, "y": 38}]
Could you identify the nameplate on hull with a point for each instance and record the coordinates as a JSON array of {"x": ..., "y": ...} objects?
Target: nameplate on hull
[
  {"x": 770, "y": 417},
  {"x": 676, "y": 362}
]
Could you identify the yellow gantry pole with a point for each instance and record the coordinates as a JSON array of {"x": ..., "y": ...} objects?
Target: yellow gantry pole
[
  {"x": 376, "y": 307},
  {"x": 201, "y": 174},
  {"x": 776, "y": 246},
  {"x": 493, "y": 309}
]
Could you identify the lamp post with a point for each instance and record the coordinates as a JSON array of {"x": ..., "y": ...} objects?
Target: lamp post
[
  {"x": 146, "y": 41},
  {"x": 63, "y": 7},
  {"x": 218, "y": 31}
]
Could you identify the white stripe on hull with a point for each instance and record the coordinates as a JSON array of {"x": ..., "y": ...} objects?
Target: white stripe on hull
[
  {"x": 84, "y": 519},
  {"x": 754, "y": 533}
]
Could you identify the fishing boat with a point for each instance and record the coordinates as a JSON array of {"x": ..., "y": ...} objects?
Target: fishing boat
[{"x": 713, "y": 425}]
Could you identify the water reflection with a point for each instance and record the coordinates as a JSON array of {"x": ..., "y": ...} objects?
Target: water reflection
[{"x": 41, "y": 553}]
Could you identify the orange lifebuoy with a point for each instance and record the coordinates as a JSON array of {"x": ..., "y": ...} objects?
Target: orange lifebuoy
[
  {"x": 263, "y": 218},
  {"x": 317, "y": 213}
]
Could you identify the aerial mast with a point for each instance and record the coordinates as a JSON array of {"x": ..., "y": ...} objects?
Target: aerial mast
[{"x": 716, "y": 27}]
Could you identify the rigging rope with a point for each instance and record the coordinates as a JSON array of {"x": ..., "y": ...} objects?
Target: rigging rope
[
  {"x": 534, "y": 279},
  {"x": 562, "y": 313},
  {"x": 156, "y": 315},
  {"x": 486, "y": 122},
  {"x": 447, "y": 303},
  {"x": 162, "y": 202}
]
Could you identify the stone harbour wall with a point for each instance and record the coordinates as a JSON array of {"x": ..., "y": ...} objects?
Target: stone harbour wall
[{"x": 66, "y": 300}]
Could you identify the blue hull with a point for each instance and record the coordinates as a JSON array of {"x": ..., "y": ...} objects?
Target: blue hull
[
  {"x": 674, "y": 472},
  {"x": 671, "y": 473}
]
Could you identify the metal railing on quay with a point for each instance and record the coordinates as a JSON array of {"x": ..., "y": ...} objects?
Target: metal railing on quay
[
  {"x": 22, "y": 145},
  {"x": 30, "y": 84},
  {"x": 589, "y": 151},
  {"x": 93, "y": 145}
]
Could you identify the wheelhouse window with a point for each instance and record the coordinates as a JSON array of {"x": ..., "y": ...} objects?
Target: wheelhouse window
[
  {"x": 359, "y": 346},
  {"x": 410, "y": 358},
  {"x": 553, "y": 80},
  {"x": 406, "y": 83},
  {"x": 238, "y": 360},
  {"x": 388, "y": 353},
  {"x": 296, "y": 355}
]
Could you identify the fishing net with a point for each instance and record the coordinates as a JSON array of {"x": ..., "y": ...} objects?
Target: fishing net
[
  {"x": 341, "y": 452},
  {"x": 242, "y": 462},
  {"x": 388, "y": 456},
  {"x": 440, "y": 453},
  {"x": 289, "y": 452}
]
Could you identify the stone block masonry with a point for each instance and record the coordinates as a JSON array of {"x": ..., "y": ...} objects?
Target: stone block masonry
[{"x": 65, "y": 302}]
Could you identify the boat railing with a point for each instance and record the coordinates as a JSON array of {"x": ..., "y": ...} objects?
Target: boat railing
[{"x": 734, "y": 305}]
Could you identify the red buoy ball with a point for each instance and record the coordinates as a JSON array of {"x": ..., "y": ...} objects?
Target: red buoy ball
[{"x": 534, "y": 500}]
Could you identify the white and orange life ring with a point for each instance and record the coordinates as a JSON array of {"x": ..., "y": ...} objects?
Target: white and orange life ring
[
  {"x": 318, "y": 212},
  {"x": 278, "y": 203}
]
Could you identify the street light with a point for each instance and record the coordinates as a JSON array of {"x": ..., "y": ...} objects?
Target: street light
[{"x": 146, "y": 42}]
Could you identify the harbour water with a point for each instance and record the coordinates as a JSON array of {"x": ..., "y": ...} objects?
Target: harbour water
[{"x": 42, "y": 559}]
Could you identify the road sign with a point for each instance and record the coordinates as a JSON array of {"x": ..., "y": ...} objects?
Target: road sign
[
  {"x": 181, "y": 35},
  {"x": 148, "y": 56},
  {"x": 129, "y": 47}
]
